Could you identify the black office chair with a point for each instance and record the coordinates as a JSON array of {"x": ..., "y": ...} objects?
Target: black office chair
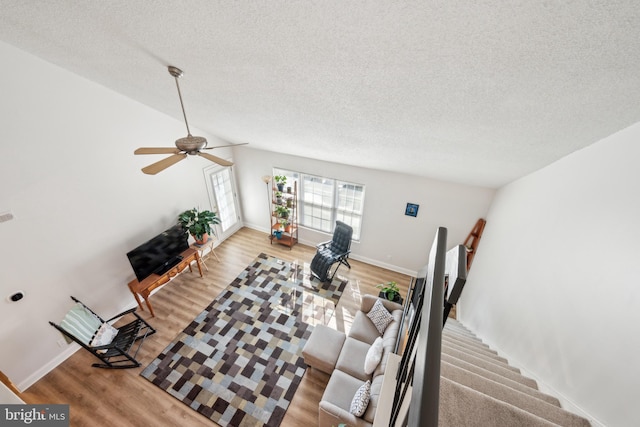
[
  {"x": 113, "y": 346},
  {"x": 335, "y": 251}
]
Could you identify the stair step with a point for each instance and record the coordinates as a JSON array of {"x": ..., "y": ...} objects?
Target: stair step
[
  {"x": 461, "y": 406},
  {"x": 455, "y": 334},
  {"x": 464, "y": 337},
  {"x": 457, "y": 330},
  {"x": 469, "y": 342},
  {"x": 456, "y": 323},
  {"x": 473, "y": 349},
  {"x": 511, "y": 396},
  {"x": 477, "y": 359},
  {"x": 505, "y": 373},
  {"x": 523, "y": 388}
]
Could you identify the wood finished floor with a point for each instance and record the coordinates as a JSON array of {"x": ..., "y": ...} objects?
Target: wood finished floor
[{"x": 99, "y": 397}]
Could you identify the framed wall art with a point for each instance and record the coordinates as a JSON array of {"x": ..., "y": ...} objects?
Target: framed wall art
[{"x": 412, "y": 209}]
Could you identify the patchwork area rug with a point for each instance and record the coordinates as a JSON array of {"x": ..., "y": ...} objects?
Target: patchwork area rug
[{"x": 240, "y": 362}]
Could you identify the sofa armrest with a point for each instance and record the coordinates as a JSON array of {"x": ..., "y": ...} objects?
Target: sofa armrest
[
  {"x": 369, "y": 300},
  {"x": 330, "y": 415}
]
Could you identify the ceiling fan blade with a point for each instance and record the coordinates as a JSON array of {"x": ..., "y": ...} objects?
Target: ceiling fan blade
[
  {"x": 157, "y": 150},
  {"x": 163, "y": 164},
  {"x": 228, "y": 145},
  {"x": 215, "y": 159}
]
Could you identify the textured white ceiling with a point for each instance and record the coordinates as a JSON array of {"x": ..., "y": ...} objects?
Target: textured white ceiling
[{"x": 477, "y": 92}]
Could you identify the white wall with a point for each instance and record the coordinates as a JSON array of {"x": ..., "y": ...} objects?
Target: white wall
[
  {"x": 555, "y": 282},
  {"x": 389, "y": 238},
  {"x": 80, "y": 201}
]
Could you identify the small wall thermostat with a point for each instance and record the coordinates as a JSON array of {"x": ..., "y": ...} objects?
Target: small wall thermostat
[{"x": 16, "y": 297}]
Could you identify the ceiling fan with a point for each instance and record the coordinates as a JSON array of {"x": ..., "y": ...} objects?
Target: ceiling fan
[{"x": 190, "y": 144}]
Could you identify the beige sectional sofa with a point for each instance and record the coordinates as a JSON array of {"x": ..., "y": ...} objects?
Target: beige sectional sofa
[{"x": 343, "y": 357}]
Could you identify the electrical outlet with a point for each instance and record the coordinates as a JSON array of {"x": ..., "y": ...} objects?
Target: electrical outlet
[{"x": 62, "y": 342}]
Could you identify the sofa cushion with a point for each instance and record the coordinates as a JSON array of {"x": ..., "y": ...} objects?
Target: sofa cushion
[
  {"x": 380, "y": 316},
  {"x": 340, "y": 389},
  {"x": 373, "y": 357},
  {"x": 360, "y": 399},
  {"x": 363, "y": 328},
  {"x": 351, "y": 359}
]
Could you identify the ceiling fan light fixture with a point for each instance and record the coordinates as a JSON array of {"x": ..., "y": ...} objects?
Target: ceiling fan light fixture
[{"x": 191, "y": 144}]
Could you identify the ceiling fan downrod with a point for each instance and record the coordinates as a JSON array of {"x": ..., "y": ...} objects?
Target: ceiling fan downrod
[{"x": 177, "y": 73}]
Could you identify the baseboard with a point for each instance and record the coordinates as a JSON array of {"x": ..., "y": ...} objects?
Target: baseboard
[
  {"x": 412, "y": 273},
  {"x": 44, "y": 370},
  {"x": 256, "y": 227},
  {"x": 356, "y": 257}
]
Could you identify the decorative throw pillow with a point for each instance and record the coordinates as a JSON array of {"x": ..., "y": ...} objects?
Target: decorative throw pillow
[
  {"x": 360, "y": 400},
  {"x": 373, "y": 357},
  {"x": 380, "y": 316},
  {"x": 104, "y": 336}
]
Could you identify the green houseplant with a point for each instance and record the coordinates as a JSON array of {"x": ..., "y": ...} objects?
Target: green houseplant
[
  {"x": 198, "y": 223},
  {"x": 282, "y": 212},
  {"x": 390, "y": 290},
  {"x": 281, "y": 180}
]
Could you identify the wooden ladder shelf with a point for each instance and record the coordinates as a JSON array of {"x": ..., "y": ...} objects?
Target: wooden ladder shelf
[{"x": 473, "y": 240}]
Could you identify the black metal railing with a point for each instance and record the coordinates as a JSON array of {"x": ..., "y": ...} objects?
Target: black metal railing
[{"x": 419, "y": 369}]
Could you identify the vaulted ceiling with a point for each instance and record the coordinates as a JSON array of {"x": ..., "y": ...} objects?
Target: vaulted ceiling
[{"x": 476, "y": 92}]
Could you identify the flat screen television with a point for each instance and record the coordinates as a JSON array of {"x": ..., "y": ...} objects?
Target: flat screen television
[{"x": 159, "y": 254}]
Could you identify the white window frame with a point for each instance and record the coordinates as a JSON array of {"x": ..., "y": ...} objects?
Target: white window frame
[
  {"x": 209, "y": 173},
  {"x": 351, "y": 214}
]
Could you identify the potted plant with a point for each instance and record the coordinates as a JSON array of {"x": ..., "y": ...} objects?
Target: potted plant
[
  {"x": 278, "y": 197},
  {"x": 282, "y": 212},
  {"x": 198, "y": 223},
  {"x": 390, "y": 291},
  {"x": 286, "y": 225},
  {"x": 281, "y": 180}
]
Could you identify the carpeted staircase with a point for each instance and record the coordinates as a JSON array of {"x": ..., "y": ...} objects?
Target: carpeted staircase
[{"x": 479, "y": 388}]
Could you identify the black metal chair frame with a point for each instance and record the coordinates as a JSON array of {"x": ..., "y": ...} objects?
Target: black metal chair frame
[
  {"x": 331, "y": 255},
  {"x": 117, "y": 354}
]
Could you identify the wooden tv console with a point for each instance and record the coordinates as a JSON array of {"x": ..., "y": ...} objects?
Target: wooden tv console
[{"x": 154, "y": 281}]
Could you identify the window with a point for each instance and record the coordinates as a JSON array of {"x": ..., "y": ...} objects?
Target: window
[{"x": 323, "y": 200}]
